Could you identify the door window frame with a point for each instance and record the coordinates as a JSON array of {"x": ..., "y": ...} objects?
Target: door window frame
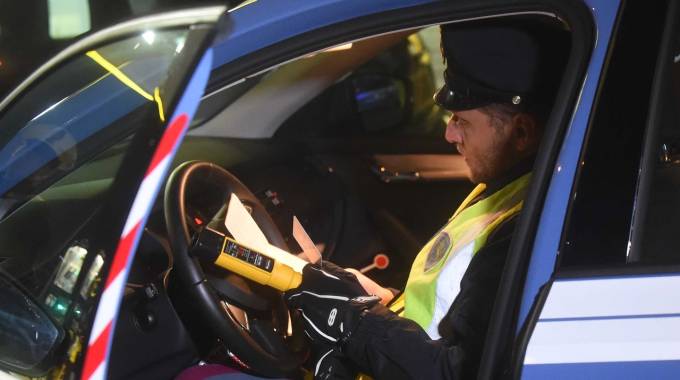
[{"x": 536, "y": 301}]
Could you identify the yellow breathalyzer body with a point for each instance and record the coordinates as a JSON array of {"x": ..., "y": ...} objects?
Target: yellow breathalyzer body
[{"x": 256, "y": 266}]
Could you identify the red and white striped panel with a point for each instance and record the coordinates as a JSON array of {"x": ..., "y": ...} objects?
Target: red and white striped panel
[{"x": 100, "y": 336}]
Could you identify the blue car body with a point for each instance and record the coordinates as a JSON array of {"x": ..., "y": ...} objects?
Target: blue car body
[{"x": 583, "y": 326}]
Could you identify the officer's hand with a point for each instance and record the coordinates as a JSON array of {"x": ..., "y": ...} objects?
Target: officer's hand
[
  {"x": 322, "y": 298},
  {"x": 331, "y": 364}
]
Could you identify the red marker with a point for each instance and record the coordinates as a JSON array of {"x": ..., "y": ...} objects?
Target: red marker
[{"x": 380, "y": 261}]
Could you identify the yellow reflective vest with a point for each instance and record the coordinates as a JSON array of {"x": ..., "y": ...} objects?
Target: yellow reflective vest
[{"x": 434, "y": 280}]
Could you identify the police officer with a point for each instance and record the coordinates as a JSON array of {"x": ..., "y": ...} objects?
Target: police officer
[{"x": 499, "y": 81}]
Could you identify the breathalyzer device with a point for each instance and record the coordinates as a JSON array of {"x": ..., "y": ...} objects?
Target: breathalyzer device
[{"x": 235, "y": 257}]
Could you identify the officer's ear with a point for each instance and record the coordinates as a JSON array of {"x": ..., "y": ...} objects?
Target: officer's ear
[{"x": 525, "y": 133}]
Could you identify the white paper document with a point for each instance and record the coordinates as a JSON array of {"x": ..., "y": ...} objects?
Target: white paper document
[
  {"x": 305, "y": 242},
  {"x": 245, "y": 230}
]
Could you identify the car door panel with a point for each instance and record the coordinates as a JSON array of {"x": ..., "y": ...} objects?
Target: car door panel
[
  {"x": 614, "y": 327},
  {"x": 610, "y": 310}
]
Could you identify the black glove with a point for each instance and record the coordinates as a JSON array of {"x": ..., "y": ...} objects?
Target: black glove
[
  {"x": 329, "y": 360},
  {"x": 331, "y": 364},
  {"x": 331, "y": 301},
  {"x": 321, "y": 298}
]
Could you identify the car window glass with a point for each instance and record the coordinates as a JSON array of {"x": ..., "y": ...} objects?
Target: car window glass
[
  {"x": 31, "y": 32},
  {"x": 61, "y": 144},
  {"x": 390, "y": 94},
  {"x": 66, "y": 118},
  {"x": 599, "y": 220},
  {"x": 656, "y": 224},
  {"x": 377, "y": 86}
]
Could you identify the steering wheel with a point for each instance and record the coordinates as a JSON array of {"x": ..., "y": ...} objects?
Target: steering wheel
[{"x": 245, "y": 319}]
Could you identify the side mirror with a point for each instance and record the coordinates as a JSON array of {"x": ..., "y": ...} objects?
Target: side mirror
[
  {"x": 28, "y": 335},
  {"x": 381, "y": 101}
]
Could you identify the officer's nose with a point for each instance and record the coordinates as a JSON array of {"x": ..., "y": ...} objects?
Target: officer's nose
[{"x": 452, "y": 133}]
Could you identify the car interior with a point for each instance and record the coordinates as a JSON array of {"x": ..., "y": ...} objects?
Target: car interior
[{"x": 347, "y": 140}]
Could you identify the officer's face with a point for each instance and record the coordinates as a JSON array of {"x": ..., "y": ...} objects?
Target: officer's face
[{"x": 486, "y": 147}]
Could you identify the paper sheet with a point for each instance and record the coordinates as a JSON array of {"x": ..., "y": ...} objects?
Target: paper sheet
[
  {"x": 242, "y": 226},
  {"x": 245, "y": 230},
  {"x": 305, "y": 242}
]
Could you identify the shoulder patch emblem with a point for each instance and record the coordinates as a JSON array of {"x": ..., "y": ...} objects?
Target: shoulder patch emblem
[{"x": 438, "y": 250}]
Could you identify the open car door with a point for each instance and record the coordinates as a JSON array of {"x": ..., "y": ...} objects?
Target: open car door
[{"x": 85, "y": 144}]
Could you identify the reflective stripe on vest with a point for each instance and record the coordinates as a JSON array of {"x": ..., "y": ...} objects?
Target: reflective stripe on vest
[{"x": 434, "y": 280}]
